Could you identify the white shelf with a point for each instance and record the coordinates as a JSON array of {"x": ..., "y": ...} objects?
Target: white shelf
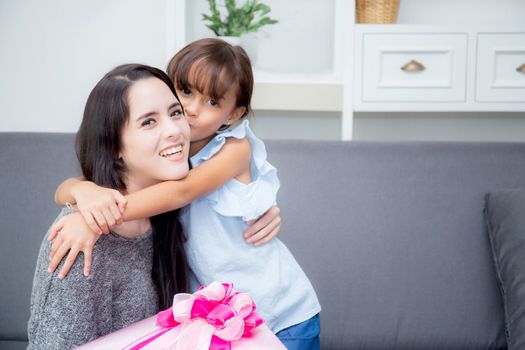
[
  {"x": 297, "y": 78},
  {"x": 314, "y": 87},
  {"x": 302, "y": 96},
  {"x": 302, "y": 42},
  {"x": 336, "y": 89},
  {"x": 394, "y": 41}
]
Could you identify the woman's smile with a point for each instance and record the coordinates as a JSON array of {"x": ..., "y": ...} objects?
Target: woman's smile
[{"x": 173, "y": 152}]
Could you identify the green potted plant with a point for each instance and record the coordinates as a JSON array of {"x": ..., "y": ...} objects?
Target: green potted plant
[{"x": 238, "y": 20}]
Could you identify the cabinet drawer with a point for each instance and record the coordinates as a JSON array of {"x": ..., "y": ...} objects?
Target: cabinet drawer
[
  {"x": 501, "y": 68},
  {"x": 420, "y": 67}
]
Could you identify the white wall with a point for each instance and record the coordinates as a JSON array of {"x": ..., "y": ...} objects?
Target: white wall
[
  {"x": 302, "y": 42},
  {"x": 453, "y": 126},
  {"x": 482, "y": 12},
  {"x": 370, "y": 126},
  {"x": 297, "y": 125},
  {"x": 54, "y": 51}
]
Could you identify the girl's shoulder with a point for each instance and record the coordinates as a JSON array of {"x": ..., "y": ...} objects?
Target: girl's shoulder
[
  {"x": 240, "y": 199},
  {"x": 238, "y": 136},
  {"x": 241, "y": 145}
]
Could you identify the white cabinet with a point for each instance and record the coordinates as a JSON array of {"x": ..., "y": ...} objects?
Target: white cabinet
[
  {"x": 437, "y": 68},
  {"x": 400, "y": 67},
  {"x": 501, "y": 67}
]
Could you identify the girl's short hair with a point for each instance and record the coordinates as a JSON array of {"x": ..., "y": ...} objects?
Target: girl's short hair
[{"x": 212, "y": 67}]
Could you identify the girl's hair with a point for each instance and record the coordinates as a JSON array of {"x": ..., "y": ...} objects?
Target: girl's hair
[
  {"x": 98, "y": 144},
  {"x": 212, "y": 67}
]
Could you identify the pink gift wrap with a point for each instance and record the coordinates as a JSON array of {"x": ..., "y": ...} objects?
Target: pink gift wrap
[
  {"x": 215, "y": 317},
  {"x": 260, "y": 338}
]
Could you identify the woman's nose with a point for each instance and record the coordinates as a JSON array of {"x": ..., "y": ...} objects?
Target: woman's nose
[{"x": 172, "y": 128}]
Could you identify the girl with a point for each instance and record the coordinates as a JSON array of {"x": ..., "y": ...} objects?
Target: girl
[
  {"x": 214, "y": 82},
  {"x": 131, "y": 116}
]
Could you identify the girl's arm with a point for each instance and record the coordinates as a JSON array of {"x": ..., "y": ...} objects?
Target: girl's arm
[
  {"x": 264, "y": 228},
  {"x": 232, "y": 160},
  {"x": 64, "y": 191},
  {"x": 101, "y": 207},
  {"x": 71, "y": 236}
]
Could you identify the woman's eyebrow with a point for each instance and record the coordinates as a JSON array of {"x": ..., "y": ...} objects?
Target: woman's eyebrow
[
  {"x": 144, "y": 116},
  {"x": 175, "y": 104}
]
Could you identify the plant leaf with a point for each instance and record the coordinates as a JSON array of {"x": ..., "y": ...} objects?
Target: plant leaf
[{"x": 248, "y": 17}]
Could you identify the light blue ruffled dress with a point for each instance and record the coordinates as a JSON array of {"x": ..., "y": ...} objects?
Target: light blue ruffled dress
[{"x": 217, "y": 250}]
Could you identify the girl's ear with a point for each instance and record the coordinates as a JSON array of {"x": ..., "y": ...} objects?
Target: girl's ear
[{"x": 237, "y": 114}]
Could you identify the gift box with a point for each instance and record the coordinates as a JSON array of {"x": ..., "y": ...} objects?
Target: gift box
[{"x": 215, "y": 318}]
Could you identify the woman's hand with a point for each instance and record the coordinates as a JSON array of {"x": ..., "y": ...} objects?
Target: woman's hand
[
  {"x": 71, "y": 234},
  {"x": 264, "y": 228},
  {"x": 101, "y": 207}
]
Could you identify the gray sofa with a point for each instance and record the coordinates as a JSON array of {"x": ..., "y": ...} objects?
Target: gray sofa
[{"x": 392, "y": 235}]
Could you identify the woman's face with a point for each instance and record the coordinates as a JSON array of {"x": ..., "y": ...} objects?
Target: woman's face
[{"x": 155, "y": 140}]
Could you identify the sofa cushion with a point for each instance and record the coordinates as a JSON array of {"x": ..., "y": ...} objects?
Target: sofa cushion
[{"x": 505, "y": 214}]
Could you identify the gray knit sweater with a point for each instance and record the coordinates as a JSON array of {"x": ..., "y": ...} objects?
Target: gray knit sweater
[{"x": 70, "y": 312}]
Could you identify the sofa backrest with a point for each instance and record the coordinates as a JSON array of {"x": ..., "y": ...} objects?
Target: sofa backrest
[
  {"x": 32, "y": 165},
  {"x": 391, "y": 234}
]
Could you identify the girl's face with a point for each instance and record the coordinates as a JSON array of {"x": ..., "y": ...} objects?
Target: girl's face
[
  {"x": 155, "y": 140},
  {"x": 206, "y": 115}
]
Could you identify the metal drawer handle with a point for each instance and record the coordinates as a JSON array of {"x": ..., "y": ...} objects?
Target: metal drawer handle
[
  {"x": 521, "y": 68},
  {"x": 413, "y": 66}
]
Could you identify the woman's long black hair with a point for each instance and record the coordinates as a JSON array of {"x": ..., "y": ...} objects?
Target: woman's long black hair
[{"x": 98, "y": 144}]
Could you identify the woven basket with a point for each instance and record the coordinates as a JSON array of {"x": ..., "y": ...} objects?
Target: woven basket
[{"x": 377, "y": 11}]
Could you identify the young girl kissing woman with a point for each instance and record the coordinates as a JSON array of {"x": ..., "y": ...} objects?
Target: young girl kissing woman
[{"x": 231, "y": 183}]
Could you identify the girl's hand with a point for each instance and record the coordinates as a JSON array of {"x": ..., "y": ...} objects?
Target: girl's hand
[
  {"x": 73, "y": 235},
  {"x": 101, "y": 207},
  {"x": 264, "y": 228}
]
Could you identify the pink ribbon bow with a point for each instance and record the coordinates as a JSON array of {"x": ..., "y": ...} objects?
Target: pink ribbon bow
[{"x": 209, "y": 319}]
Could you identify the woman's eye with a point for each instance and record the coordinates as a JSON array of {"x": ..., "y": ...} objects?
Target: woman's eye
[
  {"x": 212, "y": 102},
  {"x": 148, "y": 122},
  {"x": 186, "y": 91},
  {"x": 176, "y": 113}
]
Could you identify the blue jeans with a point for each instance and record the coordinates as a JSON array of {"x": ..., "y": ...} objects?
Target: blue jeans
[{"x": 302, "y": 336}]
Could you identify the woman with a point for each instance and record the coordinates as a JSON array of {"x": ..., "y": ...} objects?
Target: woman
[
  {"x": 133, "y": 135},
  {"x": 131, "y": 116}
]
